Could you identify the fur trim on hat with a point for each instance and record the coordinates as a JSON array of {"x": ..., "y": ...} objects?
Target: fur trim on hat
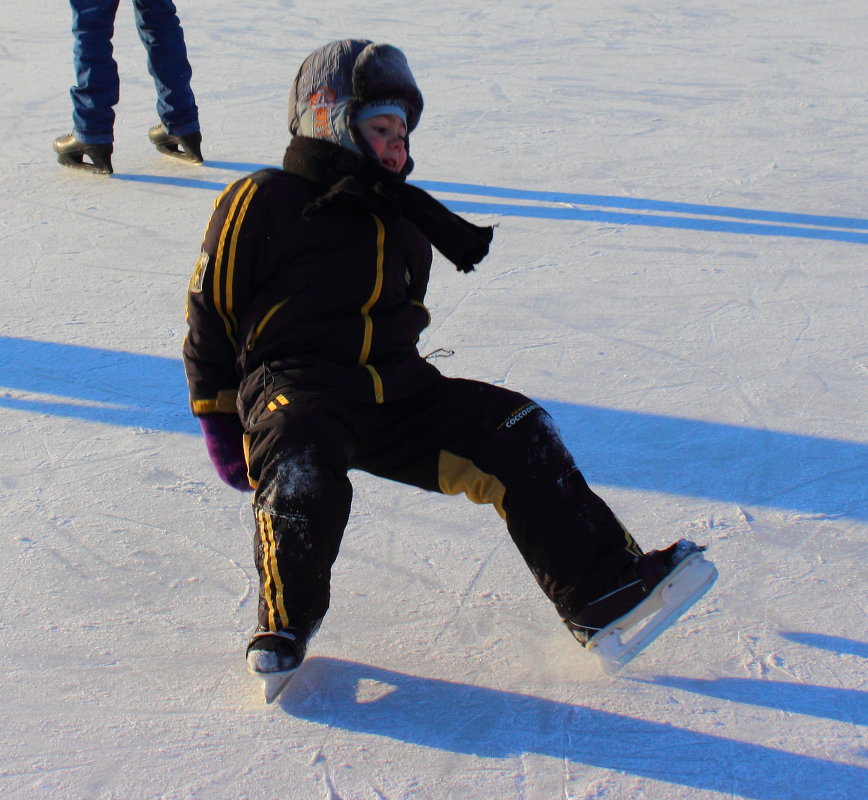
[{"x": 381, "y": 72}]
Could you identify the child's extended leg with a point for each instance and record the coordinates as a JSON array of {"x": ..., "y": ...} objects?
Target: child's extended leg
[
  {"x": 298, "y": 461},
  {"x": 502, "y": 448}
]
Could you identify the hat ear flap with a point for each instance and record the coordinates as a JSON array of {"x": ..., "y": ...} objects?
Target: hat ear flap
[{"x": 326, "y": 73}]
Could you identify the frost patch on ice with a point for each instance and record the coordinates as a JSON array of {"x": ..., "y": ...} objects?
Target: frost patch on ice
[{"x": 370, "y": 691}]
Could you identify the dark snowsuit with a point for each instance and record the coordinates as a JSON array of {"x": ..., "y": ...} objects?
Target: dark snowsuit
[{"x": 305, "y": 309}]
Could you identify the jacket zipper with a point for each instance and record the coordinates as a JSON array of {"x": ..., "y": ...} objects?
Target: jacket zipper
[{"x": 257, "y": 331}]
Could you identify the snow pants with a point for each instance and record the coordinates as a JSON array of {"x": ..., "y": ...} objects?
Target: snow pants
[
  {"x": 97, "y": 88},
  {"x": 494, "y": 445}
]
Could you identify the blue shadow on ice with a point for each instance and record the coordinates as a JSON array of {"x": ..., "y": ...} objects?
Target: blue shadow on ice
[
  {"x": 617, "y": 448},
  {"x": 598, "y": 209},
  {"x": 187, "y": 183},
  {"x": 107, "y": 386},
  {"x": 748, "y": 466},
  {"x": 823, "y": 641},
  {"x": 194, "y": 183},
  {"x": 653, "y": 213},
  {"x": 843, "y": 705},
  {"x": 487, "y": 723}
]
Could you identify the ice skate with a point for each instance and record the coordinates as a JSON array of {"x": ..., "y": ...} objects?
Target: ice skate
[
  {"x": 187, "y": 147},
  {"x": 274, "y": 657},
  {"x": 645, "y": 600},
  {"x": 71, "y": 153}
]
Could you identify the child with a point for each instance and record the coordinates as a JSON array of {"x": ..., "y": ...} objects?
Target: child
[{"x": 304, "y": 311}]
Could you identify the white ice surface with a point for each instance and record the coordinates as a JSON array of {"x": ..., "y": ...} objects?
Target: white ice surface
[{"x": 679, "y": 275}]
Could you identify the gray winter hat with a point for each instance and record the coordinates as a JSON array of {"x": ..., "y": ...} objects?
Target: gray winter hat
[{"x": 338, "y": 79}]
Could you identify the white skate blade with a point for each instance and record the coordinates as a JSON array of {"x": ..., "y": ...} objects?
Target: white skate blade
[
  {"x": 273, "y": 683},
  {"x": 691, "y": 579}
]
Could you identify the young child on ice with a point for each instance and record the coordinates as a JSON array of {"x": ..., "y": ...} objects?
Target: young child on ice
[{"x": 304, "y": 312}]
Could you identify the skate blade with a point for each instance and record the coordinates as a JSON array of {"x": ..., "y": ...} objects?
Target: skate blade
[
  {"x": 173, "y": 151},
  {"x": 274, "y": 683},
  {"x": 683, "y": 587},
  {"x": 78, "y": 162}
]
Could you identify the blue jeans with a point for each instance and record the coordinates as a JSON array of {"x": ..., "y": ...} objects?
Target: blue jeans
[{"x": 97, "y": 86}]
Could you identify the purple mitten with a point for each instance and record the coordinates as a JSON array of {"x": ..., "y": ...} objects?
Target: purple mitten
[{"x": 224, "y": 440}]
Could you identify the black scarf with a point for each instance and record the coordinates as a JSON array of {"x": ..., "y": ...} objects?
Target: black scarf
[{"x": 355, "y": 182}]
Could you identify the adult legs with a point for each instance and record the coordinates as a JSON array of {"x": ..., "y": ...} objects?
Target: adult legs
[
  {"x": 97, "y": 86},
  {"x": 161, "y": 34}
]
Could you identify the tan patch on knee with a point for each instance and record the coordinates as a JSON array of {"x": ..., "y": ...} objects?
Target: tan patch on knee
[{"x": 458, "y": 475}]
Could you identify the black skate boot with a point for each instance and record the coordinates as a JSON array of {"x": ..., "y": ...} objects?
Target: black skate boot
[
  {"x": 187, "y": 147},
  {"x": 71, "y": 152},
  {"x": 271, "y": 652},
  {"x": 655, "y": 590},
  {"x": 274, "y": 656}
]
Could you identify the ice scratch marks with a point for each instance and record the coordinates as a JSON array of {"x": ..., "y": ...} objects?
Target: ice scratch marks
[
  {"x": 29, "y": 544},
  {"x": 320, "y": 760},
  {"x": 464, "y": 594}
]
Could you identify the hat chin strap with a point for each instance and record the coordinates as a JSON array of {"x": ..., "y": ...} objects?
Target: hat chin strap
[{"x": 361, "y": 146}]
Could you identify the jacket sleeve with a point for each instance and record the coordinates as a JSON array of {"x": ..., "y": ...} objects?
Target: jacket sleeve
[{"x": 216, "y": 297}]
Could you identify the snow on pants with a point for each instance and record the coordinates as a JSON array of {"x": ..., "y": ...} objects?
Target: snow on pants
[{"x": 492, "y": 444}]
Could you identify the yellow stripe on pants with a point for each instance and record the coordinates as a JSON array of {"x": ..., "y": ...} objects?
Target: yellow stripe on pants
[{"x": 272, "y": 585}]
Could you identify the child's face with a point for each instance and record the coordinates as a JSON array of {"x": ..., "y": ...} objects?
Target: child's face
[{"x": 385, "y": 133}]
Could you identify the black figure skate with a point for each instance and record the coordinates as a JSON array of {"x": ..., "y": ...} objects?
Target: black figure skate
[
  {"x": 274, "y": 657},
  {"x": 645, "y": 599},
  {"x": 71, "y": 153},
  {"x": 186, "y": 148}
]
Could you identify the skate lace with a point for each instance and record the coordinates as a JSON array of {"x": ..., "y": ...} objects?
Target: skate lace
[{"x": 614, "y": 592}]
